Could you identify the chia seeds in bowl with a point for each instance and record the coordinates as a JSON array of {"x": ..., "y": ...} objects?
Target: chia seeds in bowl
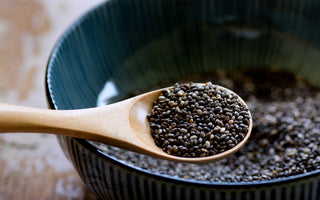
[{"x": 284, "y": 139}]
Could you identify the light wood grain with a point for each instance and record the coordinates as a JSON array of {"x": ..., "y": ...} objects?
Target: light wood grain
[{"x": 35, "y": 177}]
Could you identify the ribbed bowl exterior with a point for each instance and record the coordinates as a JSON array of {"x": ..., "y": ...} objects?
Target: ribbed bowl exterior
[
  {"x": 110, "y": 179},
  {"x": 137, "y": 44}
]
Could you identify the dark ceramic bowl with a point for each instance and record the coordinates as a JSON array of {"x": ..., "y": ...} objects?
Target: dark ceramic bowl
[{"x": 134, "y": 45}]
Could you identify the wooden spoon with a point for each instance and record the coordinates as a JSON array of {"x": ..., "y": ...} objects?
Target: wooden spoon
[{"x": 123, "y": 124}]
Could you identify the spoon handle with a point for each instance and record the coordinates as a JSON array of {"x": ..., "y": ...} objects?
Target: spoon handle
[
  {"x": 24, "y": 119},
  {"x": 97, "y": 124}
]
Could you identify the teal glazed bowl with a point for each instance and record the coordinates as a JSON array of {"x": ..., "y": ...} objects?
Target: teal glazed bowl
[{"x": 135, "y": 45}]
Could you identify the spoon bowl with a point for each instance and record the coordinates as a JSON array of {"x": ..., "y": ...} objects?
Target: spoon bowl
[{"x": 123, "y": 124}]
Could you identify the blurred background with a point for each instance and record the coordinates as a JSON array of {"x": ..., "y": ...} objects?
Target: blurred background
[{"x": 32, "y": 166}]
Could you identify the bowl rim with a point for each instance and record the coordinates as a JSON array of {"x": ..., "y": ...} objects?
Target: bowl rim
[{"x": 167, "y": 178}]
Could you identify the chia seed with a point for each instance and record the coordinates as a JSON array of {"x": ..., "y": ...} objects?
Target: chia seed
[
  {"x": 284, "y": 139},
  {"x": 197, "y": 138}
]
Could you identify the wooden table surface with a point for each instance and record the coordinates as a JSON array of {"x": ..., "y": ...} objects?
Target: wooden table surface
[{"x": 32, "y": 166}]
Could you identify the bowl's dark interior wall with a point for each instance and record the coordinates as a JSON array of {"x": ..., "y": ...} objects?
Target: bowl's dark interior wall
[{"x": 162, "y": 41}]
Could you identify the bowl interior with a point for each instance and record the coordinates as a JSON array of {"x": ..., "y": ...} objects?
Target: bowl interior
[
  {"x": 126, "y": 47},
  {"x": 135, "y": 46}
]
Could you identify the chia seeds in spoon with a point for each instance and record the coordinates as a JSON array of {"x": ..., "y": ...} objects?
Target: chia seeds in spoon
[{"x": 198, "y": 120}]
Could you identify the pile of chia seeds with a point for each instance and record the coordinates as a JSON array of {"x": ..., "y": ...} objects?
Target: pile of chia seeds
[
  {"x": 285, "y": 138},
  {"x": 198, "y": 120}
]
